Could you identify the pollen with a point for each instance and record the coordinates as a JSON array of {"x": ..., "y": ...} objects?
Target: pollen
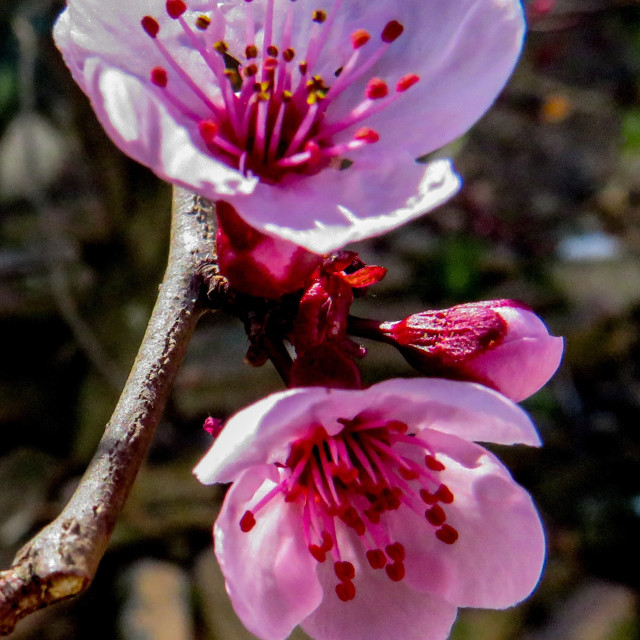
[{"x": 203, "y": 22}]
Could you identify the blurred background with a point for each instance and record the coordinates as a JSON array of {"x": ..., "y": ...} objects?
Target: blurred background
[{"x": 549, "y": 213}]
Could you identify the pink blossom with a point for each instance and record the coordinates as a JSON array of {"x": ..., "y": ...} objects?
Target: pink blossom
[
  {"x": 372, "y": 514},
  {"x": 500, "y": 343},
  {"x": 307, "y": 119}
]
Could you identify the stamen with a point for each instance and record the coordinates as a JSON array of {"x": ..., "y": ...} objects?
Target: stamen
[
  {"x": 346, "y": 591},
  {"x": 435, "y": 515},
  {"x": 359, "y": 38},
  {"x": 433, "y": 464},
  {"x": 247, "y": 522},
  {"x": 376, "y": 89},
  {"x": 355, "y": 478},
  {"x": 447, "y": 534},
  {"x": 407, "y": 82},
  {"x": 159, "y": 77},
  {"x": 392, "y": 31},
  {"x": 203, "y": 22},
  {"x": 175, "y": 8},
  {"x": 344, "y": 571},
  {"x": 151, "y": 26},
  {"x": 395, "y": 571},
  {"x": 319, "y": 16},
  {"x": 376, "y": 558},
  {"x": 444, "y": 494}
]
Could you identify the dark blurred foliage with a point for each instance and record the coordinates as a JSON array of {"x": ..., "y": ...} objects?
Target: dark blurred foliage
[{"x": 549, "y": 214}]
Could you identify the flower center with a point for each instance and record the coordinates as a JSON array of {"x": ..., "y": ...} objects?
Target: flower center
[
  {"x": 354, "y": 479},
  {"x": 272, "y": 117}
]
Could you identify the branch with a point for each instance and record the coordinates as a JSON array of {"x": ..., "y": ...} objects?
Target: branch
[{"x": 63, "y": 558}]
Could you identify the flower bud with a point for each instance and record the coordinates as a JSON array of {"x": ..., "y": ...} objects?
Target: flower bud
[
  {"x": 257, "y": 264},
  {"x": 499, "y": 343}
]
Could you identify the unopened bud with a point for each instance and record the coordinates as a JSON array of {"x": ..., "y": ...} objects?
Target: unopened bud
[{"x": 499, "y": 343}]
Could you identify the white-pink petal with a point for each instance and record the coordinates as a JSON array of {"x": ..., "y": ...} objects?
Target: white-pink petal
[
  {"x": 498, "y": 557},
  {"x": 270, "y": 575}
]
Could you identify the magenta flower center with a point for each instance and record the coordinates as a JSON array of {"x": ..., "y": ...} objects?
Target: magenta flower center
[
  {"x": 355, "y": 479},
  {"x": 272, "y": 116}
]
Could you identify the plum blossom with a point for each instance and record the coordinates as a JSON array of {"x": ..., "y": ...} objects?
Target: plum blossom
[
  {"x": 366, "y": 514},
  {"x": 500, "y": 343},
  {"x": 307, "y": 118}
]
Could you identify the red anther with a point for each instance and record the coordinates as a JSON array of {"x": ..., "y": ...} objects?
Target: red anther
[
  {"x": 396, "y": 425},
  {"x": 359, "y": 527},
  {"x": 406, "y": 82},
  {"x": 175, "y": 8},
  {"x": 444, "y": 494},
  {"x": 272, "y": 50},
  {"x": 372, "y": 516},
  {"x": 395, "y": 571},
  {"x": 359, "y": 38},
  {"x": 428, "y": 498},
  {"x": 344, "y": 570},
  {"x": 349, "y": 516},
  {"x": 317, "y": 552},
  {"x": 208, "y": 130},
  {"x": 150, "y": 25},
  {"x": 270, "y": 64},
  {"x": 367, "y": 134},
  {"x": 247, "y": 522},
  {"x": 327, "y": 541},
  {"x": 203, "y": 22},
  {"x": 288, "y": 54},
  {"x": 159, "y": 77},
  {"x": 346, "y": 591},
  {"x": 433, "y": 464},
  {"x": 376, "y": 89},
  {"x": 408, "y": 474},
  {"x": 376, "y": 558},
  {"x": 251, "y": 51},
  {"x": 435, "y": 515},
  {"x": 392, "y": 31},
  {"x": 250, "y": 70},
  {"x": 395, "y": 551},
  {"x": 303, "y": 67},
  {"x": 447, "y": 534}
]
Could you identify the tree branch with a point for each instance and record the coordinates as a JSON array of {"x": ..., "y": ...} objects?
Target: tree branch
[{"x": 63, "y": 558}]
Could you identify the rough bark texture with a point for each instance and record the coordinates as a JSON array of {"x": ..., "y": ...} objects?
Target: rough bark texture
[{"x": 62, "y": 559}]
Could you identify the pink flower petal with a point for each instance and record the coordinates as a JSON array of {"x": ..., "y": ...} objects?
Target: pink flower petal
[
  {"x": 499, "y": 554},
  {"x": 527, "y": 358},
  {"x": 270, "y": 575},
  {"x": 381, "y": 610},
  {"x": 262, "y": 432}
]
